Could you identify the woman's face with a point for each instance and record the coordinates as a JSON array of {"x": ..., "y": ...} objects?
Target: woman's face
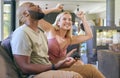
[{"x": 65, "y": 22}]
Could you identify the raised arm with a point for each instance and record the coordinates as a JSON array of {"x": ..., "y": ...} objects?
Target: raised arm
[
  {"x": 58, "y": 8},
  {"x": 46, "y": 26},
  {"x": 88, "y": 32}
]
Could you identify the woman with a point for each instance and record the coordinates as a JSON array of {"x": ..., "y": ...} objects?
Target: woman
[{"x": 60, "y": 35}]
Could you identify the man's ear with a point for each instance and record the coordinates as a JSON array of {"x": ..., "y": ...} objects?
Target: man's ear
[{"x": 26, "y": 13}]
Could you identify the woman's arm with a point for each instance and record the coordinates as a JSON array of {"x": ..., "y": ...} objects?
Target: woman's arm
[
  {"x": 71, "y": 52},
  {"x": 46, "y": 26},
  {"x": 58, "y": 8},
  {"x": 88, "y": 32}
]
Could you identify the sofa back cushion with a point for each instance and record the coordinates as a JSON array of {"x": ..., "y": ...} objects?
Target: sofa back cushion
[
  {"x": 6, "y": 52},
  {"x": 12, "y": 70},
  {"x": 109, "y": 63},
  {"x": 6, "y": 45}
]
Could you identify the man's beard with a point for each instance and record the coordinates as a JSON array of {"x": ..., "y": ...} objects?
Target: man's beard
[{"x": 36, "y": 15}]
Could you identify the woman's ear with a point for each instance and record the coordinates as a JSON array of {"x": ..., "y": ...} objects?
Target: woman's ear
[{"x": 58, "y": 23}]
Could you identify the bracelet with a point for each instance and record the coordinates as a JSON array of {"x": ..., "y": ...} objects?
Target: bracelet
[{"x": 53, "y": 67}]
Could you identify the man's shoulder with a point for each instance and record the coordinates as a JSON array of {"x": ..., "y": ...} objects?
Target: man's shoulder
[{"x": 20, "y": 28}]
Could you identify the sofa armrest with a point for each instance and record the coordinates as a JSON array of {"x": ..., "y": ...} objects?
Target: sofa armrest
[{"x": 109, "y": 63}]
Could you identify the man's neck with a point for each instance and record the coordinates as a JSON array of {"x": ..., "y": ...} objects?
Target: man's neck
[{"x": 33, "y": 25}]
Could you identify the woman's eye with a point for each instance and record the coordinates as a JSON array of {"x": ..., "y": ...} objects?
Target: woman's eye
[{"x": 64, "y": 18}]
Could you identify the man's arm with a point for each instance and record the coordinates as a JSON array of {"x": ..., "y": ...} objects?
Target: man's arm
[{"x": 30, "y": 68}]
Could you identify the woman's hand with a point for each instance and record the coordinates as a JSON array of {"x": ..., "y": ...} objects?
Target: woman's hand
[
  {"x": 80, "y": 15},
  {"x": 58, "y": 8},
  {"x": 71, "y": 52}
]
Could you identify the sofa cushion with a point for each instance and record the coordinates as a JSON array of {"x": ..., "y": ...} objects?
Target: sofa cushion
[
  {"x": 12, "y": 70},
  {"x": 109, "y": 63},
  {"x": 5, "y": 51},
  {"x": 6, "y": 45}
]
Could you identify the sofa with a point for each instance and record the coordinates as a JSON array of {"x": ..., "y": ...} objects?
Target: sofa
[
  {"x": 109, "y": 62},
  {"x": 12, "y": 71}
]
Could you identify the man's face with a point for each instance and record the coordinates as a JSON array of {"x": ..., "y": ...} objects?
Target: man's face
[
  {"x": 36, "y": 12},
  {"x": 36, "y": 15}
]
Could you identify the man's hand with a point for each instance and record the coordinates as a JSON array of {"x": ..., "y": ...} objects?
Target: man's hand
[{"x": 67, "y": 62}]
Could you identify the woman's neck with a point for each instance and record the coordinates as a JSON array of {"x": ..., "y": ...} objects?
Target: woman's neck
[{"x": 62, "y": 33}]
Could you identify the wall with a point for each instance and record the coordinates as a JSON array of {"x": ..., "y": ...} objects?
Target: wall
[
  {"x": 117, "y": 12},
  {"x": 91, "y": 16},
  {"x": 1, "y": 20},
  {"x": 96, "y": 19},
  {"x": 102, "y": 15}
]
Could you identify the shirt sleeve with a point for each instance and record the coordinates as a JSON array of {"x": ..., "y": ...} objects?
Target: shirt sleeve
[{"x": 20, "y": 43}]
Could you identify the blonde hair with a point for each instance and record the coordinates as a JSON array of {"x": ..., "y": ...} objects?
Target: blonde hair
[
  {"x": 56, "y": 26},
  {"x": 20, "y": 12}
]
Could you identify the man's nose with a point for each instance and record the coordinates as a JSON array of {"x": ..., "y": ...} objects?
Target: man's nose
[{"x": 37, "y": 6}]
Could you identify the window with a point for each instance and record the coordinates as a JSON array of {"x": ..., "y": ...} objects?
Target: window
[
  {"x": 9, "y": 15},
  {"x": 6, "y": 20}
]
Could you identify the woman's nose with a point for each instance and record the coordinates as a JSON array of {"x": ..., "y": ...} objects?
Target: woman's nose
[{"x": 68, "y": 21}]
